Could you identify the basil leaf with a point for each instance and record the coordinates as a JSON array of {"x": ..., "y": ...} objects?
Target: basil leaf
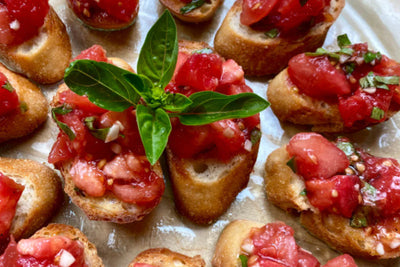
[
  {"x": 303, "y": 192},
  {"x": 141, "y": 84},
  {"x": 255, "y": 136},
  {"x": 343, "y": 40},
  {"x": 23, "y": 106},
  {"x": 377, "y": 113},
  {"x": 272, "y": 33},
  {"x": 303, "y": 2},
  {"x": 394, "y": 80},
  {"x": 323, "y": 52},
  {"x": 369, "y": 57},
  {"x": 98, "y": 133},
  {"x": 7, "y": 85},
  {"x": 154, "y": 128},
  {"x": 292, "y": 164},
  {"x": 358, "y": 220},
  {"x": 346, "y": 50},
  {"x": 350, "y": 67},
  {"x": 191, "y": 6},
  {"x": 209, "y": 106},
  {"x": 346, "y": 147},
  {"x": 159, "y": 52},
  {"x": 243, "y": 260},
  {"x": 176, "y": 102},
  {"x": 104, "y": 84},
  {"x": 62, "y": 110},
  {"x": 369, "y": 192}
]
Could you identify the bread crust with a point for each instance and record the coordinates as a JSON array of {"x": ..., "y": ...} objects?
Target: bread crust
[
  {"x": 45, "y": 57},
  {"x": 40, "y": 199},
  {"x": 163, "y": 257},
  {"x": 283, "y": 189},
  {"x": 18, "y": 124},
  {"x": 90, "y": 251},
  {"x": 229, "y": 244},
  {"x": 203, "y": 13},
  {"x": 259, "y": 55}
]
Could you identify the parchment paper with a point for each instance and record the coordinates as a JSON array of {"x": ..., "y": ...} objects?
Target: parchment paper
[{"x": 376, "y": 22}]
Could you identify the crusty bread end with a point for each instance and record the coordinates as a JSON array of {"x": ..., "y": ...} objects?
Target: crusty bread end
[
  {"x": 91, "y": 257},
  {"x": 163, "y": 257},
  {"x": 203, "y": 13}
]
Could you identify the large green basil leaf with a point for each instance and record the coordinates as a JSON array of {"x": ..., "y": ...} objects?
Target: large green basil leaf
[
  {"x": 159, "y": 52},
  {"x": 154, "y": 128},
  {"x": 104, "y": 84},
  {"x": 141, "y": 84},
  {"x": 210, "y": 106},
  {"x": 176, "y": 102}
]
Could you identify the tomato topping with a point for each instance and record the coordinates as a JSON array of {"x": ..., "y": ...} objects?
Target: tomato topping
[
  {"x": 8, "y": 96},
  {"x": 344, "y": 260},
  {"x": 254, "y": 10},
  {"x": 123, "y": 10},
  {"x": 95, "y": 52},
  {"x": 10, "y": 192},
  {"x": 310, "y": 74},
  {"x": 21, "y": 19},
  {"x": 315, "y": 156}
]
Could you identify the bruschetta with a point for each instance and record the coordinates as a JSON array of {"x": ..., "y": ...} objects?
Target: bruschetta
[
  {"x": 193, "y": 11},
  {"x": 30, "y": 195},
  {"x": 345, "y": 196},
  {"x": 163, "y": 257},
  {"x": 249, "y": 243},
  {"x": 23, "y": 107},
  {"x": 54, "y": 245},
  {"x": 340, "y": 91},
  {"x": 209, "y": 164},
  {"x": 105, "y": 14},
  {"x": 101, "y": 157},
  {"x": 33, "y": 40},
  {"x": 263, "y": 35}
]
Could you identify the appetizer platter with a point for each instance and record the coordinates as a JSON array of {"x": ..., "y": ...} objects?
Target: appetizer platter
[{"x": 164, "y": 225}]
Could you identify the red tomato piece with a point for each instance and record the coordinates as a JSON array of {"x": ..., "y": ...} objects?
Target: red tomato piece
[
  {"x": 316, "y": 77},
  {"x": 344, "y": 260},
  {"x": 6, "y": 34},
  {"x": 95, "y": 52},
  {"x": 389, "y": 67},
  {"x": 80, "y": 102},
  {"x": 255, "y": 10},
  {"x": 315, "y": 156},
  {"x": 339, "y": 194},
  {"x": 200, "y": 71},
  {"x": 123, "y": 10},
  {"x": 232, "y": 73},
  {"x": 306, "y": 259},
  {"x": 182, "y": 57},
  {"x": 88, "y": 177},
  {"x": 8, "y": 100},
  {"x": 10, "y": 192},
  {"x": 61, "y": 150}
]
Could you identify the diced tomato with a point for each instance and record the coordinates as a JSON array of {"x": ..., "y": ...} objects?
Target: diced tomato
[
  {"x": 123, "y": 10},
  {"x": 315, "y": 156},
  {"x": 200, "y": 71},
  {"x": 82, "y": 102},
  {"x": 232, "y": 73},
  {"x": 229, "y": 139},
  {"x": 306, "y": 259},
  {"x": 128, "y": 167},
  {"x": 10, "y": 192},
  {"x": 316, "y": 77},
  {"x": 61, "y": 150},
  {"x": 88, "y": 177},
  {"x": 339, "y": 194},
  {"x": 95, "y": 52},
  {"x": 254, "y": 10},
  {"x": 389, "y": 67},
  {"x": 182, "y": 57},
  {"x": 344, "y": 260},
  {"x": 8, "y": 100},
  {"x": 6, "y": 34}
]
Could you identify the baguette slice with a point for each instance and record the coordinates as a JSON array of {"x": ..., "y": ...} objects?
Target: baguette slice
[
  {"x": 40, "y": 199},
  {"x": 91, "y": 257},
  {"x": 259, "y": 55},
  {"x": 283, "y": 189},
  {"x": 163, "y": 257},
  {"x": 204, "y": 188},
  {"x": 21, "y": 123},
  {"x": 203, "y": 13},
  {"x": 43, "y": 58}
]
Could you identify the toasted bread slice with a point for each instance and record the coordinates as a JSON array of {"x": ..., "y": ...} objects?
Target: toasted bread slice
[
  {"x": 203, "y": 13},
  {"x": 91, "y": 257},
  {"x": 259, "y": 55},
  {"x": 229, "y": 244},
  {"x": 283, "y": 189},
  {"x": 45, "y": 57},
  {"x": 23, "y": 122},
  {"x": 40, "y": 199},
  {"x": 163, "y": 257}
]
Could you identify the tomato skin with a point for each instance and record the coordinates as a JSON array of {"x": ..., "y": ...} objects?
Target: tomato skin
[
  {"x": 306, "y": 259},
  {"x": 315, "y": 156},
  {"x": 8, "y": 100},
  {"x": 254, "y": 10},
  {"x": 79, "y": 102},
  {"x": 10, "y": 192},
  {"x": 95, "y": 52},
  {"x": 316, "y": 77},
  {"x": 344, "y": 260}
]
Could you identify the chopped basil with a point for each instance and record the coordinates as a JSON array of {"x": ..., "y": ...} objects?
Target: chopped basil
[
  {"x": 255, "y": 136},
  {"x": 203, "y": 51},
  {"x": 303, "y": 193},
  {"x": 323, "y": 52},
  {"x": 343, "y": 40},
  {"x": 346, "y": 50},
  {"x": 23, "y": 106},
  {"x": 349, "y": 68},
  {"x": 372, "y": 80},
  {"x": 8, "y": 87},
  {"x": 346, "y": 147},
  {"x": 292, "y": 164},
  {"x": 98, "y": 133},
  {"x": 358, "y": 220},
  {"x": 369, "y": 191},
  {"x": 62, "y": 110},
  {"x": 303, "y": 2},
  {"x": 243, "y": 259},
  {"x": 369, "y": 56},
  {"x": 191, "y": 6},
  {"x": 394, "y": 80},
  {"x": 272, "y": 33},
  {"x": 377, "y": 114}
]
